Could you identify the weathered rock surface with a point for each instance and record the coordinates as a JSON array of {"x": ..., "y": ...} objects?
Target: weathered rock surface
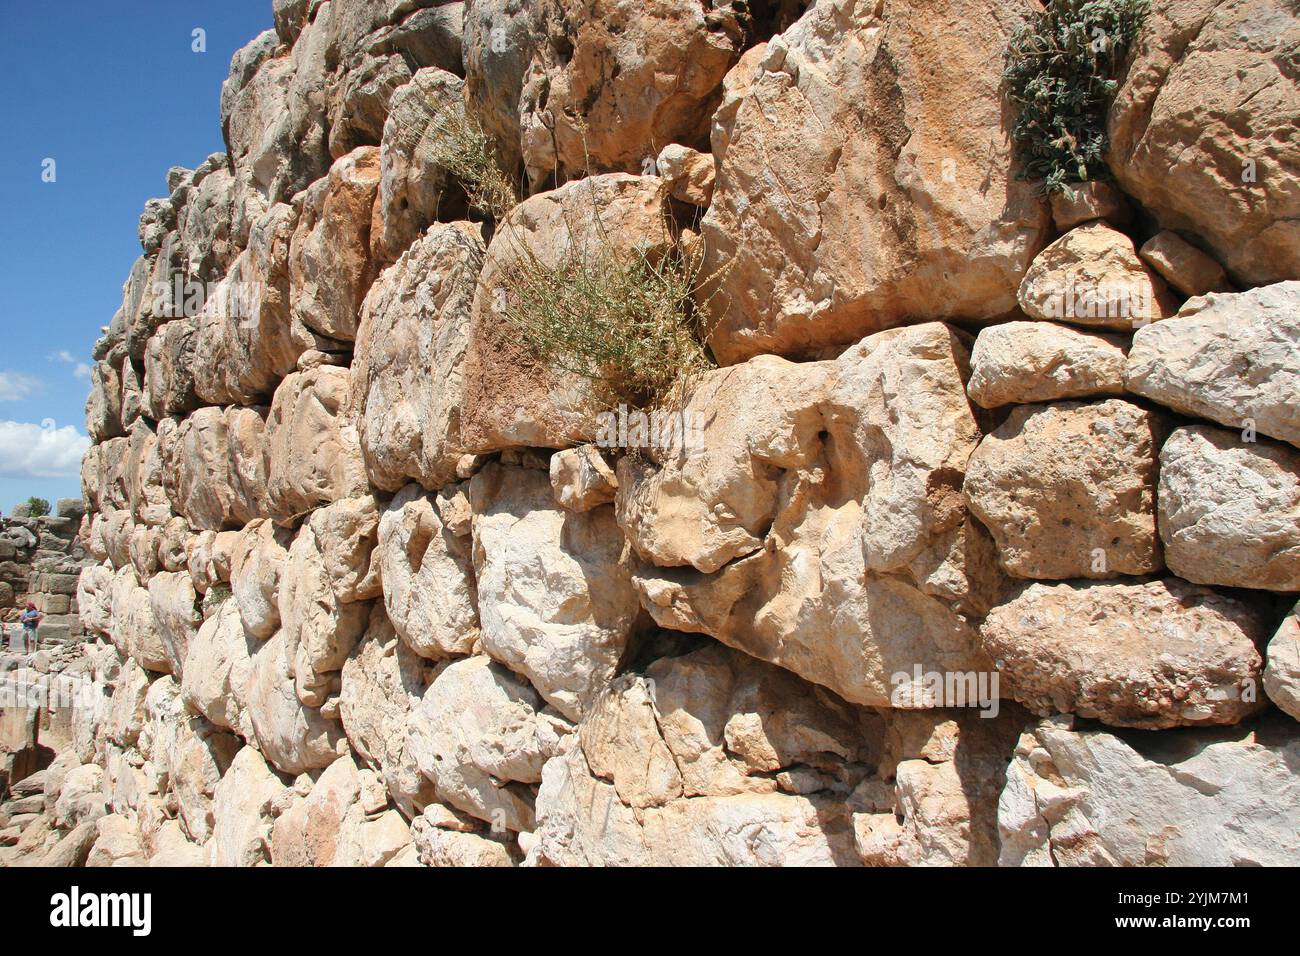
[
  {"x": 214, "y": 466},
  {"x": 1023, "y": 362},
  {"x": 428, "y": 574},
  {"x": 1203, "y": 130},
  {"x": 293, "y": 736},
  {"x": 1093, "y": 798},
  {"x": 1228, "y": 357},
  {"x": 1149, "y": 655},
  {"x": 1230, "y": 510},
  {"x": 247, "y": 800},
  {"x": 1068, "y": 490},
  {"x": 1092, "y": 276},
  {"x": 844, "y": 204},
  {"x": 406, "y": 377},
  {"x": 555, "y": 595},
  {"x": 1282, "y": 672},
  {"x": 510, "y": 399},
  {"x": 693, "y": 762},
  {"x": 1186, "y": 268},
  {"x": 828, "y": 536}
]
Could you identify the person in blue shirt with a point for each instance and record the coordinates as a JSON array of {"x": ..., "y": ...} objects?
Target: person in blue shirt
[{"x": 31, "y": 620}]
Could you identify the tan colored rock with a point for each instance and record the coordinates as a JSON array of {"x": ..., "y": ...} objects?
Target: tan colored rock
[
  {"x": 257, "y": 559},
  {"x": 1068, "y": 490},
  {"x": 1230, "y": 510},
  {"x": 214, "y": 467},
  {"x": 1081, "y": 797},
  {"x": 847, "y": 201},
  {"x": 95, "y": 598},
  {"x": 135, "y": 631},
  {"x": 943, "y": 773},
  {"x": 320, "y": 590},
  {"x": 312, "y": 449},
  {"x": 1182, "y": 265},
  {"x": 245, "y": 342},
  {"x": 170, "y": 360},
  {"x": 218, "y": 666},
  {"x": 555, "y": 595},
  {"x": 329, "y": 827},
  {"x": 413, "y": 188},
  {"x": 382, "y": 683},
  {"x": 481, "y": 735},
  {"x": 173, "y": 544},
  {"x": 1023, "y": 362},
  {"x": 1078, "y": 203},
  {"x": 440, "y": 847},
  {"x": 330, "y": 269},
  {"x": 582, "y": 479},
  {"x": 294, "y": 737},
  {"x": 1151, "y": 655},
  {"x": 104, "y": 404},
  {"x": 1226, "y": 357},
  {"x": 208, "y": 557},
  {"x": 835, "y": 521},
  {"x": 689, "y": 171},
  {"x": 1202, "y": 130},
  {"x": 510, "y": 399},
  {"x": 1092, "y": 276},
  {"x": 117, "y": 843},
  {"x": 428, "y": 573},
  {"x": 247, "y": 800},
  {"x": 406, "y": 377},
  {"x": 694, "y": 763},
  {"x": 1282, "y": 671},
  {"x": 174, "y": 603}
]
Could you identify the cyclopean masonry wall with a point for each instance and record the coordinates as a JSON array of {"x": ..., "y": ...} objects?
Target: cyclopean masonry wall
[
  {"x": 366, "y": 591},
  {"x": 40, "y": 561}
]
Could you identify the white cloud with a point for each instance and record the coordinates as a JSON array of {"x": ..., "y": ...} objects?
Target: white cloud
[
  {"x": 81, "y": 371},
  {"x": 15, "y": 386},
  {"x": 63, "y": 355},
  {"x": 31, "y": 451}
]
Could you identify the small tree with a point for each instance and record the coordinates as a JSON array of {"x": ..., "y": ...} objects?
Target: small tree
[
  {"x": 38, "y": 507},
  {"x": 1060, "y": 72}
]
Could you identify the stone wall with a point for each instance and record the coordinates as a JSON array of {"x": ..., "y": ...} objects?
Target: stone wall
[
  {"x": 40, "y": 561},
  {"x": 370, "y": 589}
]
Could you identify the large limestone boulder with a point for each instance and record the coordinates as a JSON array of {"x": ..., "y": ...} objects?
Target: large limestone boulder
[
  {"x": 217, "y": 670},
  {"x": 1078, "y": 797},
  {"x": 135, "y": 630},
  {"x": 176, "y": 615},
  {"x": 1092, "y": 276},
  {"x": 1230, "y": 510},
  {"x": 245, "y": 342},
  {"x": 406, "y": 375},
  {"x": 1228, "y": 357},
  {"x": 330, "y": 269},
  {"x": 482, "y": 735},
  {"x": 1203, "y": 130},
  {"x": 332, "y": 826},
  {"x": 257, "y": 558},
  {"x": 95, "y": 598},
  {"x": 827, "y": 496},
  {"x": 709, "y": 758},
  {"x": 244, "y": 807},
  {"x": 312, "y": 450},
  {"x": 510, "y": 399},
  {"x": 1282, "y": 672},
  {"x": 326, "y": 579},
  {"x": 170, "y": 361},
  {"x": 293, "y": 736},
  {"x": 1068, "y": 490},
  {"x": 428, "y": 573},
  {"x": 1023, "y": 362},
  {"x": 847, "y": 200},
  {"x": 1149, "y": 655},
  {"x": 383, "y": 681},
  {"x": 555, "y": 595},
  {"x": 413, "y": 187},
  {"x": 214, "y": 467}
]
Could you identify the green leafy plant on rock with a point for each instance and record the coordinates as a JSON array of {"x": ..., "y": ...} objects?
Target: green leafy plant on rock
[
  {"x": 38, "y": 507},
  {"x": 1060, "y": 71},
  {"x": 456, "y": 141}
]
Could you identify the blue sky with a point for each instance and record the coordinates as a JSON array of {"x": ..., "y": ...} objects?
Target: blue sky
[{"x": 115, "y": 95}]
